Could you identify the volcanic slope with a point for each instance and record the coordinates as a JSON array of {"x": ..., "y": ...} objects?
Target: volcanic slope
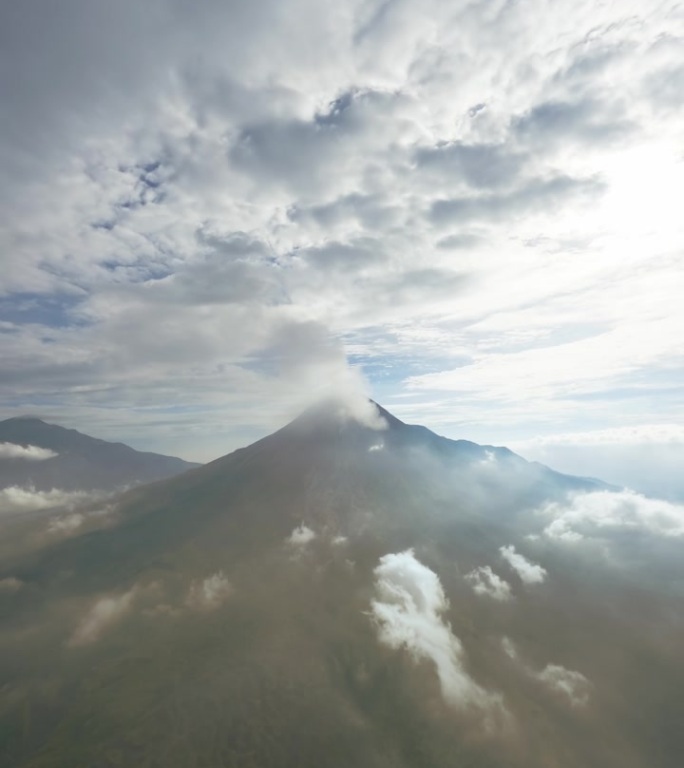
[
  {"x": 340, "y": 593},
  {"x": 75, "y": 462}
]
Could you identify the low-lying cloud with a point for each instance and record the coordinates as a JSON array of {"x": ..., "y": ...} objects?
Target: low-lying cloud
[
  {"x": 210, "y": 593},
  {"x": 593, "y": 514},
  {"x": 362, "y": 410},
  {"x": 574, "y": 685},
  {"x": 408, "y": 613},
  {"x": 301, "y": 536},
  {"x": 17, "y": 499},
  {"x": 27, "y": 452},
  {"x": 10, "y": 584},
  {"x": 106, "y": 612},
  {"x": 67, "y": 524},
  {"x": 529, "y": 573},
  {"x": 485, "y": 582}
]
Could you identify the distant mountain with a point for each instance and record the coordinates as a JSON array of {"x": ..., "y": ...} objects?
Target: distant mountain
[
  {"x": 348, "y": 591},
  {"x": 72, "y": 461}
]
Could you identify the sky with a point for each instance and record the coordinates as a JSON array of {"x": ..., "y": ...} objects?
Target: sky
[{"x": 212, "y": 212}]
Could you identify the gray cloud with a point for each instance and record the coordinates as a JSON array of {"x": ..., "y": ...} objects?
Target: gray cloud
[
  {"x": 554, "y": 121},
  {"x": 536, "y": 195},
  {"x": 67, "y": 524},
  {"x": 10, "y": 584},
  {"x": 171, "y": 196},
  {"x": 482, "y": 166}
]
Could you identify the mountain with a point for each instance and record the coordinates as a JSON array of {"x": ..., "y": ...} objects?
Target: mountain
[
  {"x": 348, "y": 591},
  {"x": 72, "y": 461}
]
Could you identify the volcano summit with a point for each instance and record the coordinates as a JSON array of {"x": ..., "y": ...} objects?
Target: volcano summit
[{"x": 349, "y": 591}]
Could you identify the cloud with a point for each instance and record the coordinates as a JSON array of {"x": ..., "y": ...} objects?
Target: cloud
[
  {"x": 644, "y": 457},
  {"x": 584, "y": 120},
  {"x": 102, "y": 616},
  {"x": 163, "y": 230},
  {"x": 532, "y": 198},
  {"x": 301, "y": 536},
  {"x": 210, "y": 593},
  {"x": 485, "y": 582},
  {"x": 67, "y": 524},
  {"x": 10, "y": 584},
  {"x": 572, "y": 684},
  {"x": 28, "y": 452},
  {"x": 408, "y": 613},
  {"x": 637, "y": 434},
  {"x": 16, "y": 499},
  {"x": 529, "y": 573},
  {"x": 361, "y": 410},
  {"x": 595, "y": 514},
  {"x": 478, "y": 165}
]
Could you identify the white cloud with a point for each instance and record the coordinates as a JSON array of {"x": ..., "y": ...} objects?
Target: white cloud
[
  {"x": 210, "y": 593},
  {"x": 301, "y": 536},
  {"x": 530, "y": 573},
  {"x": 367, "y": 414},
  {"x": 28, "y": 452},
  {"x": 637, "y": 434},
  {"x": 16, "y": 499},
  {"x": 104, "y": 614},
  {"x": 594, "y": 514},
  {"x": 572, "y": 684},
  {"x": 408, "y": 611},
  {"x": 561, "y": 530},
  {"x": 478, "y": 207},
  {"x": 485, "y": 582},
  {"x": 569, "y": 683}
]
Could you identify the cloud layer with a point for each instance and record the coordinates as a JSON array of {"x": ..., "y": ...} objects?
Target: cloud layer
[
  {"x": 603, "y": 512},
  {"x": 474, "y": 204}
]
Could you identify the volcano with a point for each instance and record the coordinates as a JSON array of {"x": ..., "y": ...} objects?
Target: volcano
[
  {"x": 72, "y": 461},
  {"x": 348, "y": 591}
]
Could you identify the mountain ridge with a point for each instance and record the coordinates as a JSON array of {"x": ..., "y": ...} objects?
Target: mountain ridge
[{"x": 82, "y": 462}]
